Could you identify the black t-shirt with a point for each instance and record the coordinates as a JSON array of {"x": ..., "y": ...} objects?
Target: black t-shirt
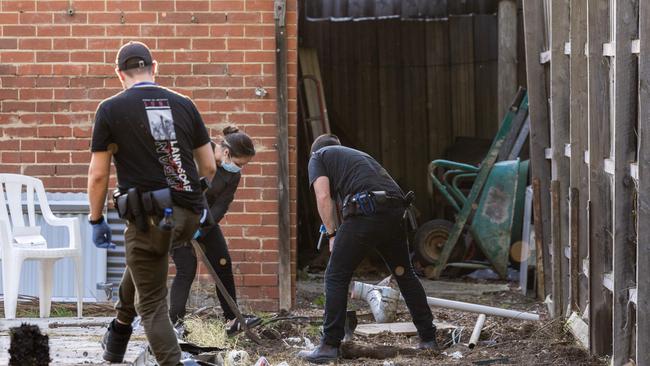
[
  {"x": 153, "y": 131},
  {"x": 350, "y": 171}
]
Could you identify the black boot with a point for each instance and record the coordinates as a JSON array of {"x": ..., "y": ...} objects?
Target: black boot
[
  {"x": 324, "y": 353},
  {"x": 429, "y": 345},
  {"x": 115, "y": 341}
]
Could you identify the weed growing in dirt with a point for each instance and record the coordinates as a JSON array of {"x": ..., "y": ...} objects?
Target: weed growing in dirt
[
  {"x": 208, "y": 333},
  {"x": 320, "y": 300}
]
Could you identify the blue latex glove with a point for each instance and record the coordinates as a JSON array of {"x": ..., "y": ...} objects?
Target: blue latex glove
[{"x": 102, "y": 236}]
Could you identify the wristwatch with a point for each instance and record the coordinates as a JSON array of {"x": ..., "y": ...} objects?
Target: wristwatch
[
  {"x": 330, "y": 235},
  {"x": 95, "y": 222}
]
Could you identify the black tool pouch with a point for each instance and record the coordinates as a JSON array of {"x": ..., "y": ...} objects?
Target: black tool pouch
[
  {"x": 121, "y": 205},
  {"x": 136, "y": 210},
  {"x": 154, "y": 203}
]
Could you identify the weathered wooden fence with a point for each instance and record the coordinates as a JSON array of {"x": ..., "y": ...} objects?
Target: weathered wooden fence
[
  {"x": 588, "y": 64},
  {"x": 403, "y": 90}
]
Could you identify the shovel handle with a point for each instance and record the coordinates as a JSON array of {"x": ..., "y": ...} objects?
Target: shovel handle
[{"x": 225, "y": 294}]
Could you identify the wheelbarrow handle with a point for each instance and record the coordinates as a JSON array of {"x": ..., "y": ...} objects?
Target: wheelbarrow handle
[{"x": 448, "y": 164}]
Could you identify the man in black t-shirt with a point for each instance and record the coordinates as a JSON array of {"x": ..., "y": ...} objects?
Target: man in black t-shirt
[
  {"x": 154, "y": 136},
  {"x": 373, "y": 210}
]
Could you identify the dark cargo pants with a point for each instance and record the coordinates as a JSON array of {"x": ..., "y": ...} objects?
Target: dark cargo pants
[
  {"x": 143, "y": 289},
  {"x": 358, "y": 235}
]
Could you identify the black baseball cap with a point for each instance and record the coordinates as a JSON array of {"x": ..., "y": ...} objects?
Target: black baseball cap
[{"x": 133, "y": 55}]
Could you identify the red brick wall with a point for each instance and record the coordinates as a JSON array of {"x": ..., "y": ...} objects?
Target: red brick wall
[{"x": 56, "y": 67}]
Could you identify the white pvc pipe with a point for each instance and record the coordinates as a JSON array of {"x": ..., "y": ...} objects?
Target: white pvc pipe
[
  {"x": 360, "y": 290},
  {"x": 481, "y": 309},
  {"x": 476, "y": 333}
]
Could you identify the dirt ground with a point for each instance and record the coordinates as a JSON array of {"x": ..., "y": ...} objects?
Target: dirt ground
[{"x": 503, "y": 341}]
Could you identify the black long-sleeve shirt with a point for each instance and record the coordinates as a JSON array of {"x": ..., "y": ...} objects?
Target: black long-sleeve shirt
[{"x": 222, "y": 192}]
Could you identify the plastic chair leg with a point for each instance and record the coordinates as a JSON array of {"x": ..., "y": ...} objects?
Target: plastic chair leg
[
  {"x": 11, "y": 268},
  {"x": 45, "y": 287},
  {"x": 79, "y": 271}
]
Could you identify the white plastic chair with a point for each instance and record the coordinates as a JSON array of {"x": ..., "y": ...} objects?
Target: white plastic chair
[{"x": 22, "y": 241}]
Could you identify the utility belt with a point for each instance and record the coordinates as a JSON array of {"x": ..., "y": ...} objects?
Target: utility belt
[
  {"x": 373, "y": 202},
  {"x": 137, "y": 206}
]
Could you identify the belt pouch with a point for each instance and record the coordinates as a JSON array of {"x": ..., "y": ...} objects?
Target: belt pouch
[{"x": 136, "y": 210}]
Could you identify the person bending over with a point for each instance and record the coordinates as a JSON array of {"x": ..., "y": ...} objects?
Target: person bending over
[
  {"x": 373, "y": 211},
  {"x": 231, "y": 154}
]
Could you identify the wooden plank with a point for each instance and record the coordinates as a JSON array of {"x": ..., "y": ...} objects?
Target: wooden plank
[
  {"x": 534, "y": 29},
  {"x": 625, "y": 114},
  {"x": 526, "y": 241},
  {"x": 579, "y": 173},
  {"x": 485, "y": 71},
  {"x": 643, "y": 199},
  {"x": 539, "y": 239},
  {"x": 557, "y": 253},
  {"x": 461, "y": 43},
  {"x": 309, "y": 66},
  {"x": 415, "y": 130},
  {"x": 507, "y": 40},
  {"x": 600, "y": 244},
  {"x": 559, "y": 91},
  {"x": 284, "y": 236},
  {"x": 524, "y": 133},
  {"x": 438, "y": 96},
  {"x": 403, "y": 328}
]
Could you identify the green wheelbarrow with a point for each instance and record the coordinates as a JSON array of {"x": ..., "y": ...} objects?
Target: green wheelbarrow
[{"x": 490, "y": 214}]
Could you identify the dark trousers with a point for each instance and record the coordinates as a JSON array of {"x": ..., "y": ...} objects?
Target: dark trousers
[
  {"x": 143, "y": 290},
  {"x": 216, "y": 249},
  {"x": 383, "y": 233}
]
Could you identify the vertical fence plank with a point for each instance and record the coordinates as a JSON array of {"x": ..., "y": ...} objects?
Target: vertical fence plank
[
  {"x": 574, "y": 199},
  {"x": 507, "y": 80},
  {"x": 488, "y": 115},
  {"x": 461, "y": 43},
  {"x": 600, "y": 243},
  {"x": 534, "y": 29},
  {"x": 557, "y": 253},
  {"x": 415, "y": 129},
  {"x": 438, "y": 97},
  {"x": 579, "y": 141},
  {"x": 643, "y": 211},
  {"x": 559, "y": 33},
  {"x": 625, "y": 113},
  {"x": 388, "y": 42}
]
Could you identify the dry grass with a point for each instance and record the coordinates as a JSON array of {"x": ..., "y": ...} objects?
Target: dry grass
[{"x": 208, "y": 333}]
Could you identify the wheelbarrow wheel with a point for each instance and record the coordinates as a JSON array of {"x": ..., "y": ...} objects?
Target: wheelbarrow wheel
[{"x": 430, "y": 238}]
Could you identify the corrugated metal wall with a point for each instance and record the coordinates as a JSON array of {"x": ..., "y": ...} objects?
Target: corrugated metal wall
[{"x": 67, "y": 205}]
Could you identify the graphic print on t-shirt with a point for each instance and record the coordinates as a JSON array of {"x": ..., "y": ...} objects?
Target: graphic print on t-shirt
[
  {"x": 161, "y": 121},
  {"x": 161, "y": 125}
]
